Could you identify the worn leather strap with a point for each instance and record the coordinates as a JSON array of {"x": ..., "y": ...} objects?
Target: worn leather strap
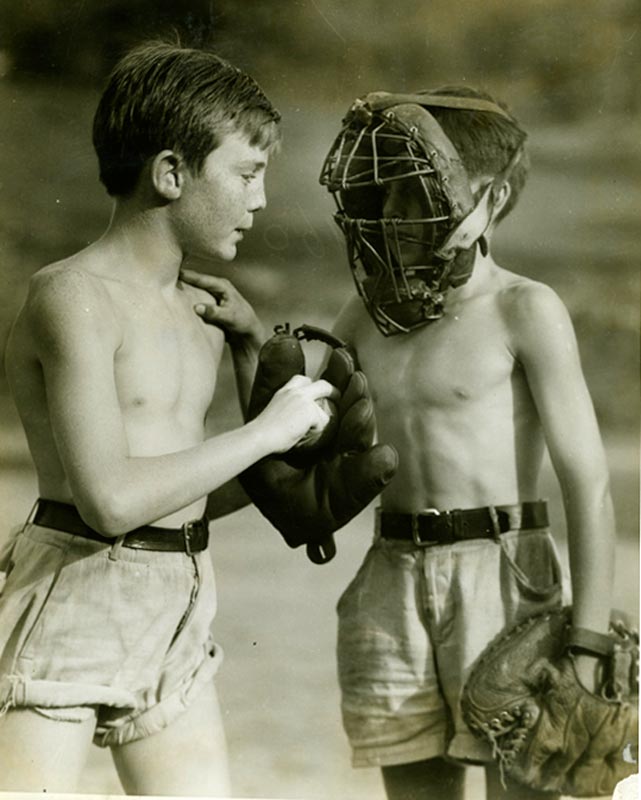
[
  {"x": 583, "y": 640},
  {"x": 433, "y": 527},
  {"x": 192, "y": 537},
  {"x": 381, "y": 100}
]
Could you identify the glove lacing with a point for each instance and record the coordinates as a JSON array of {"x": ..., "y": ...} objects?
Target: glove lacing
[{"x": 507, "y": 734}]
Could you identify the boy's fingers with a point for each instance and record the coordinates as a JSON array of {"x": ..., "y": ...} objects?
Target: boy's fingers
[
  {"x": 214, "y": 313},
  {"x": 194, "y": 278},
  {"x": 315, "y": 389},
  {"x": 207, "y": 311},
  {"x": 209, "y": 282},
  {"x": 298, "y": 380},
  {"x": 323, "y": 416},
  {"x": 323, "y": 388}
]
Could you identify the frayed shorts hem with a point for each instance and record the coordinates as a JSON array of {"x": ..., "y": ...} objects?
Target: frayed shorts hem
[
  {"x": 160, "y": 716},
  {"x": 72, "y": 702},
  {"x": 419, "y": 749},
  {"x": 464, "y": 748}
]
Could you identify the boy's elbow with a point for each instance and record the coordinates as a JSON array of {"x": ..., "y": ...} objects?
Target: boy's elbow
[
  {"x": 604, "y": 494},
  {"x": 599, "y": 482},
  {"x": 590, "y": 489},
  {"x": 107, "y": 512}
]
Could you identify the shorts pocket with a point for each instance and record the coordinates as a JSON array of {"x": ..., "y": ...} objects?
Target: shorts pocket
[
  {"x": 532, "y": 561},
  {"x": 33, "y": 570},
  {"x": 7, "y": 558},
  {"x": 354, "y": 587},
  {"x": 7, "y": 550}
]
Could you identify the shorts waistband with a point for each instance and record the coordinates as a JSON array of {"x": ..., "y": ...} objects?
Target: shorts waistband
[
  {"x": 430, "y": 526},
  {"x": 192, "y": 537}
]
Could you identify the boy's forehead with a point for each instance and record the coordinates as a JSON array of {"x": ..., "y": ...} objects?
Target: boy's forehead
[{"x": 235, "y": 148}]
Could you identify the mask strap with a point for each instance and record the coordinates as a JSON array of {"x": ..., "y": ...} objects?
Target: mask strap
[
  {"x": 474, "y": 227},
  {"x": 470, "y": 229},
  {"x": 377, "y": 101}
]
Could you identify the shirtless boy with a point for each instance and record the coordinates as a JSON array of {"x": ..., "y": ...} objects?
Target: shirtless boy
[
  {"x": 103, "y": 636},
  {"x": 470, "y": 382}
]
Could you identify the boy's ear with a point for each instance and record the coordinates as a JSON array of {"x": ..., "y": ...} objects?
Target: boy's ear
[
  {"x": 500, "y": 196},
  {"x": 167, "y": 174}
]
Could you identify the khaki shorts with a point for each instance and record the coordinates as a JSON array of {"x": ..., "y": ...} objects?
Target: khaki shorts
[
  {"x": 91, "y": 628},
  {"x": 411, "y": 624}
]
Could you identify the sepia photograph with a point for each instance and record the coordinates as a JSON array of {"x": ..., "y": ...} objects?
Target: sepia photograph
[{"x": 319, "y": 430}]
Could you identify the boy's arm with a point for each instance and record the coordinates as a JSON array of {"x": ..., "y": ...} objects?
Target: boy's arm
[
  {"x": 243, "y": 330},
  {"x": 76, "y": 337},
  {"x": 226, "y": 499},
  {"x": 545, "y": 345}
]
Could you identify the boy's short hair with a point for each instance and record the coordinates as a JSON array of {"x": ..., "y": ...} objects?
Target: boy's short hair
[
  {"x": 486, "y": 142},
  {"x": 165, "y": 96}
]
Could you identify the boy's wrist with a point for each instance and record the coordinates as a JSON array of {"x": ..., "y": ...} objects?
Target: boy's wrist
[
  {"x": 589, "y": 650},
  {"x": 250, "y": 340},
  {"x": 590, "y": 671},
  {"x": 260, "y": 435}
]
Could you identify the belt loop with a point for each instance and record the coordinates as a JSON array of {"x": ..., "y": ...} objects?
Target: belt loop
[
  {"x": 377, "y": 523},
  {"x": 187, "y": 529},
  {"x": 496, "y": 528},
  {"x": 32, "y": 513},
  {"x": 114, "y": 550},
  {"x": 515, "y": 516}
]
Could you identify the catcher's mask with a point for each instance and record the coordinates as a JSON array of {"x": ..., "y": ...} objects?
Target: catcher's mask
[{"x": 392, "y": 152}]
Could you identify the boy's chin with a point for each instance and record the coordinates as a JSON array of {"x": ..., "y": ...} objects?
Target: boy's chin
[{"x": 227, "y": 252}]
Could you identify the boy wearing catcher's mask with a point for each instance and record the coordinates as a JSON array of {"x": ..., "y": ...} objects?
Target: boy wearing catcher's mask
[{"x": 473, "y": 370}]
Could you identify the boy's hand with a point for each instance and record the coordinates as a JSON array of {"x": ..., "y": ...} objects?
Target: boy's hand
[
  {"x": 295, "y": 412},
  {"x": 228, "y": 310}
]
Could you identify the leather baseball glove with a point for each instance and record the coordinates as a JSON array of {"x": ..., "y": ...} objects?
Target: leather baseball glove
[
  {"x": 546, "y": 730},
  {"x": 318, "y": 486}
]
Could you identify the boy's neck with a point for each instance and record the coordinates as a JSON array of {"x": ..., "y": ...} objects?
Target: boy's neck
[
  {"x": 138, "y": 246},
  {"x": 482, "y": 272}
]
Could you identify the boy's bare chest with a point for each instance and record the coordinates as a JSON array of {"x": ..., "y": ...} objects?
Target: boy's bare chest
[
  {"x": 441, "y": 366},
  {"x": 167, "y": 359}
]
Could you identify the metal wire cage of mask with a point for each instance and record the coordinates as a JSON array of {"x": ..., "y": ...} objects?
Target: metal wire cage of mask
[{"x": 402, "y": 266}]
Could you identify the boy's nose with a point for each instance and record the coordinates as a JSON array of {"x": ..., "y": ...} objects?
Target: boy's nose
[{"x": 258, "y": 199}]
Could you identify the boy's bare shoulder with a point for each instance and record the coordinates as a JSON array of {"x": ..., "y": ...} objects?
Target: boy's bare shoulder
[
  {"x": 520, "y": 297},
  {"x": 64, "y": 281},
  {"x": 530, "y": 309},
  {"x": 67, "y": 294}
]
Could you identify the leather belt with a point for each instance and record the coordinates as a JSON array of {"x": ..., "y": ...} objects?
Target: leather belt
[
  {"x": 432, "y": 527},
  {"x": 192, "y": 537}
]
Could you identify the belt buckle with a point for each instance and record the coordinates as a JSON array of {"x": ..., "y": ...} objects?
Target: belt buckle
[
  {"x": 188, "y": 529},
  {"x": 425, "y": 512}
]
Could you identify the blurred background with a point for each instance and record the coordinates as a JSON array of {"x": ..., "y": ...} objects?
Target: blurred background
[{"x": 569, "y": 69}]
